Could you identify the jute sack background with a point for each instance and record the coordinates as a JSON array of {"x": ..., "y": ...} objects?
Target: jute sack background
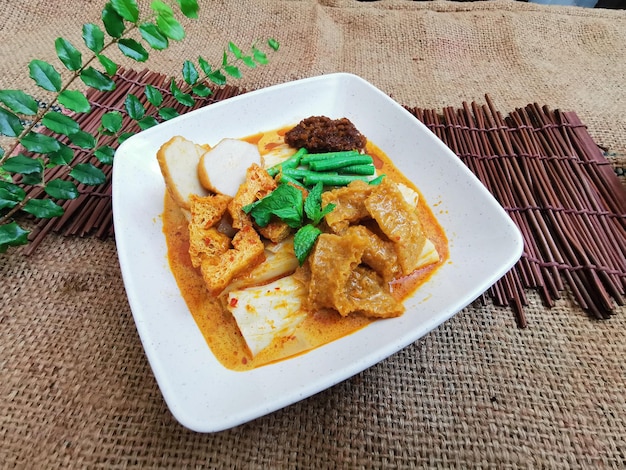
[{"x": 476, "y": 392}]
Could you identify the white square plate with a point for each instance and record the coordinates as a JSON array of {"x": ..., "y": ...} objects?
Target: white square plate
[{"x": 199, "y": 391}]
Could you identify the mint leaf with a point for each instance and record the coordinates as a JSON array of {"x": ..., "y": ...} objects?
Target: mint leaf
[
  {"x": 313, "y": 205},
  {"x": 304, "y": 240},
  {"x": 285, "y": 202}
]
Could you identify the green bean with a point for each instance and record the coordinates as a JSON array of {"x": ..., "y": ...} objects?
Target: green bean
[
  {"x": 332, "y": 180},
  {"x": 300, "y": 173},
  {"x": 284, "y": 179},
  {"x": 377, "y": 180},
  {"x": 323, "y": 156},
  {"x": 357, "y": 170},
  {"x": 292, "y": 162},
  {"x": 339, "y": 162}
]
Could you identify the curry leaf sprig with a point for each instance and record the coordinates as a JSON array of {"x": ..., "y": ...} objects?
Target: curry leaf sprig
[{"x": 136, "y": 35}]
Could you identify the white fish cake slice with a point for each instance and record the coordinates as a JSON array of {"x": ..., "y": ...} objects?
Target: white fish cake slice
[
  {"x": 223, "y": 169},
  {"x": 178, "y": 159}
]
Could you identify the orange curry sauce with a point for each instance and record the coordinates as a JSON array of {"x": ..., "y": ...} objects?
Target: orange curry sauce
[{"x": 218, "y": 325}]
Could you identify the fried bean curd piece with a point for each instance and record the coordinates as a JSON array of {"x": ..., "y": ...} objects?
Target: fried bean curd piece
[
  {"x": 349, "y": 205},
  {"x": 339, "y": 281},
  {"x": 204, "y": 239},
  {"x": 247, "y": 252},
  {"x": 258, "y": 184},
  {"x": 399, "y": 222}
]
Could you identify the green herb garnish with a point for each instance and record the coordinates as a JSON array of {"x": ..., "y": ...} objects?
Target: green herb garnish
[
  {"x": 285, "y": 202},
  {"x": 304, "y": 240}
]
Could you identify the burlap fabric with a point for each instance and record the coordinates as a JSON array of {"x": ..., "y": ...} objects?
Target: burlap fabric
[{"x": 76, "y": 389}]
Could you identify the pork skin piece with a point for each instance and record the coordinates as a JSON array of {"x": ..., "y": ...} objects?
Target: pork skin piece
[
  {"x": 339, "y": 282},
  {"x": 399, "y": 222},
  {"x": 349, "y": 205},
  {"x": 379, "y": 254}
]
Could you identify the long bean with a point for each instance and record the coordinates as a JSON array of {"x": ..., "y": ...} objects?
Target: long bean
[
  {"x": 300, "y": 173},
  {"x": 332, "y": 180},
  {"x": 311, "y": 157},
  {"x": 292, "y": 162},
  {"x": 340, "y": 162},
  {"x": 357, "y": 170}
]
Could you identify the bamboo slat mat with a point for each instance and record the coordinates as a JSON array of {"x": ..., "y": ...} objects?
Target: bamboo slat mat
[{"x": 541, "y": 164}]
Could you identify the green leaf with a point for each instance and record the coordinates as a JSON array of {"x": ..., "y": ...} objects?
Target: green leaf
[
  {"x": 205, "y": 66},
  {"x": 134, "y": 108},
  {"x": 125, "y": 136},
  {"x": 60, "y": 123},
  {"x": 96, "y": 79},
  {"x": 273, "y": 43},
  {"x": 249, "y": 61},
  {"x": 23, "y": 165},
  {"x": 93, "y": 37},
  {"x": 19, "y": 102},
  {"x": 154, "y": 96},
  {"x": 133, "y": 49},
  {"x": 43, "y": 208},
  {"x": 153, "y": 36},
  {"x": 224, "y": 58},
  {"x": 12, "y": 234},
  {"x": 285, "y": 202},
  {"x": 87, "y": 173},
  {"x": 161, "y": 7},
  {"x": 127, "y": 9},
  {"x": 147, "y": 122},
  {"x": 190, "y": 73},
  {"x": 74, "y": 101},
  {"x": 113, "y": 22},
  {"x": 235, "y": 50},
  {"x": 39, "y": 143},
  {"x": 10, "y": 124},
  {"x": 110, "y": 67},
  {"x": 61, "y": 189},
  {"x": 63, "y": 156},
  {"x": 83, "y": 140},
  {"x": 232, "y": 71},
  {"x": 217, "y": 77},
  {"x": 189, "y": 8},
  {"x": 313, "y": 205},
  {"x": 168, "y": 113},
  {"x": 181, "y": 97},
  {"x": 259, "y": 56},
  {"x": 68, "y": 54},
  {"x": 304, "y": 241},
  {"x": 202, "y": 90},
  {"x": 105, "y": 154},
  {"x": 112, "y": 121},
  {"x": 170, "y": 26},
  {"x": 10, "y": 195},
  {"x": 45, "y": 75}
]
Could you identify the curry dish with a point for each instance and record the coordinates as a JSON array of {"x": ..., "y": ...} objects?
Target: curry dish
[{"x": 256, "y": 295}]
